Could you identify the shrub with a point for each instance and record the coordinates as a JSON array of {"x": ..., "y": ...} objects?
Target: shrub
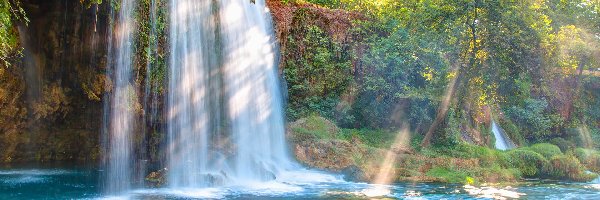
[
  {"x": 590, "y": 158},
  {"x": 568, "y": 167},
  {"x": 530, "y": 163},
  {"x": 546, "y": 149},
  {"x": 563, "y": 144}
]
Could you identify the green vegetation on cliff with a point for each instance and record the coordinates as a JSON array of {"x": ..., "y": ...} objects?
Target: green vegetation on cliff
[{"x": 446, "y": 67}]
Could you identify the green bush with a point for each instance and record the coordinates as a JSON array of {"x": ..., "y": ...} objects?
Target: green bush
[
  {"x": 530, "y": 163},
  {"x": 567, "y": 167},
  {"x": 487, "y": 157},
  {"x": 563, "y": 144},
  {"x": 546, "y": 149},
  {"x": 589, "y": 157}
]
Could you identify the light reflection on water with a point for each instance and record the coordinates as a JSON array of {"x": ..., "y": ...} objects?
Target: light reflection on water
[{"x": 82, "y": 183}]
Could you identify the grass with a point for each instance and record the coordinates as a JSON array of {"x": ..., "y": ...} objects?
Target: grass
[
  {"x": 448, "y": 175},
  {"x": 373, "y": 138}
]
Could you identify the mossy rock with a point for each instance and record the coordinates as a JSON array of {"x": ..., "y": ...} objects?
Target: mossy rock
[
  {"x": 546, "y": 149},
  {"x": 313, "y": 127}
]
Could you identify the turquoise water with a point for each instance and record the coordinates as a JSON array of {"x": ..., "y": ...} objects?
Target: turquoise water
[{"x": 55, "y": 182}]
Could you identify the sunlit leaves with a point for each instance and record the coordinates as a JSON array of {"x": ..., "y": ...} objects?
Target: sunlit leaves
[
  {"x": 577, "y": 48},
  {"x": 10, "y": 12}
]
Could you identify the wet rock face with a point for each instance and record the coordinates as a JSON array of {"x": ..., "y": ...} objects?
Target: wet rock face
[
  {"x": 49, "y": 98},
  {"x": 354, "y": 174},
  {"x": 157, "y": 178}
]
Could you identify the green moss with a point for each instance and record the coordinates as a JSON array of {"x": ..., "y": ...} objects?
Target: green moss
[
  {"x": 373, "y": 138},
  {"x": 546, "y": 149},
  {"x": 530, "y": 163},
  {"x": 447, "y": 175},
  {"x": 487, "y": 157},
  {"x": 315, "y": 127}
]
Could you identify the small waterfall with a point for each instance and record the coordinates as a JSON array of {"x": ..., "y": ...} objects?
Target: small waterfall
[
  {"x": 119, "y": 150},
  {"x": 32, "y": 69},
  {"x": 225, "y": 117},
  {"x": 503, "y": 142}
]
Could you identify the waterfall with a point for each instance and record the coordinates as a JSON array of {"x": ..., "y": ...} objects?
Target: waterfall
[
  {"x": 503, "y": 142},
  {"x": 32, "y": 69},
  {"x": 225, "y": 113},
  {"x": 119, "y": 150}
]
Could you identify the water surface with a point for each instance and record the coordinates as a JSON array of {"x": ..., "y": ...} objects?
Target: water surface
[{"x": 55, "y": 182}]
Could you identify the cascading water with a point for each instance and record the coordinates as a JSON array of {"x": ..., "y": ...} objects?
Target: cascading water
[
  {"x": 252, "y": 90},
  {"x": 188, "y": 131},
  {"x": 225, "y": 120},
  {"x": 119, "y": 162},
  {"x": 502, "y": 140},
  {"x": 33, "y": 75}
]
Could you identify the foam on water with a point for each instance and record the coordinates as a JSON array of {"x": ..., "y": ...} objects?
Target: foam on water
[{"x": 304, "y": 176}]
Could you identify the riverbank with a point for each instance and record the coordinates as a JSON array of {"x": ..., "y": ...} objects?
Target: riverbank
[{"x": 364, "y": 155}]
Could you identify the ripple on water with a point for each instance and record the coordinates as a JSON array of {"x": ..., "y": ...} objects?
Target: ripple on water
[
  {"x": 35, "y": 172},
  {"x": 23, "y": 180}
]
